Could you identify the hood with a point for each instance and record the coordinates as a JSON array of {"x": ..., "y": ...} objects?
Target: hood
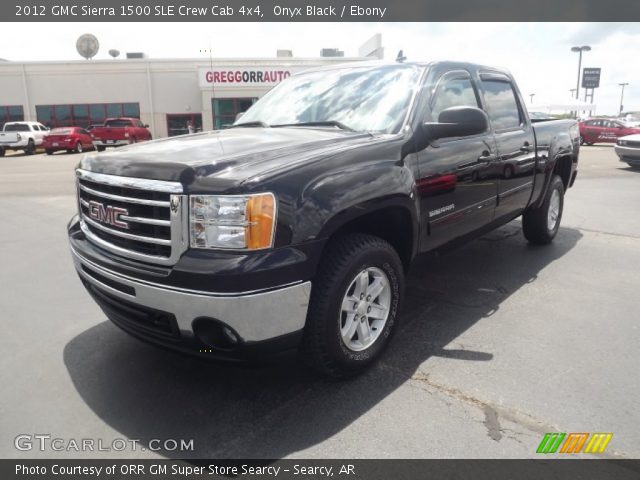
[
  {"x": 633, "y": 137},
  {"x": 223, "y": 158}
]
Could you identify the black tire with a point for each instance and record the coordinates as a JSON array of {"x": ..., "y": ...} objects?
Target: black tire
[
  {"x": 31, "y": 147},
  {"x": 49, "y": 151},
  {"x": 581, "y": 140},
  {"x": 133, "y": 140},
  {"x": 635, "y": 166},
  {"x": 323, "y": 347},
  {"x": 1, "y": 151},
  {"x": 78, "y": 148},
  {"x": 100, "y": 148},
  {"x": 535, "y": 222}
]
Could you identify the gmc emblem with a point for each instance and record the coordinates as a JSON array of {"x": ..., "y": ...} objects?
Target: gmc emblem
[{"x": 108, "y": 214}]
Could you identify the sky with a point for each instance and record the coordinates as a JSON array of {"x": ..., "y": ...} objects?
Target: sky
[{"x": 538, "y": 54}]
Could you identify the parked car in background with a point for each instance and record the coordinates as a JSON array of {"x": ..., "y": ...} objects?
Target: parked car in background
[
  {"x": 71, "y": 139},
  {"x": 119, "y": 131},
  {"x": 24, "y": 136},
  {"x": 631, "y": 119},
  {"x": 628, "y": 149},
  {"x": 603, "y": 130}
]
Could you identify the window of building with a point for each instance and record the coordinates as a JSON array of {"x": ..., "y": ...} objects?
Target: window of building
[
  {"x": 11, "y": 113},
  {"x": 225, "y": 110},
  {"x": 84, "y": 115},
  {"x": 178, "y": 124}
]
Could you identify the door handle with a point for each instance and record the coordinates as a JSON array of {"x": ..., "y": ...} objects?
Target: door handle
[
  {"x": 486, "y": 157},
  {"x": 525, "y": 147}
]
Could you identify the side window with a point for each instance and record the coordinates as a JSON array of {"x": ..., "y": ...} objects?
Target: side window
[
  {"x": 504, "y": 111},
  {"x": 453, "y": 90}
]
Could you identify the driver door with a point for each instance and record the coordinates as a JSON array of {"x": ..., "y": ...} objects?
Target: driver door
[{"x": 458, "y": 186}]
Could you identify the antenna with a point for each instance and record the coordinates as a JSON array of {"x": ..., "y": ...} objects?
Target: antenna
[
  {"x": 114, "y": 53},
  {"x": 87, "y": 45},
  {"x": 400, "y": 58}
]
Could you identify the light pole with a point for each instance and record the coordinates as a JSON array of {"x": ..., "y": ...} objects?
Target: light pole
[
  {"x": 584, "y": 48},
  {"x": 622, "y": 94},
  {"x": 531, "y": 95}
]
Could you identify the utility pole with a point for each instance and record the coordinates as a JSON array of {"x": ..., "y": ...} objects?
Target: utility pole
[
  {"x": 622, "y": 95},
  {"x": 584, "y": 48}
]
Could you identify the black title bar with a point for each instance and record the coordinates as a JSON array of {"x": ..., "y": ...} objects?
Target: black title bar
[{"x": 318, "y": 11}]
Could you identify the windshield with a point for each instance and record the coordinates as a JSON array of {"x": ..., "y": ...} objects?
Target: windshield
[
  {"x": 362, "y": 99},
  {"x": 61, "y": 131}
]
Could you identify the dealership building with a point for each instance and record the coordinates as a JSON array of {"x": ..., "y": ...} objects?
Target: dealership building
[{"x": 163, "y": 93}]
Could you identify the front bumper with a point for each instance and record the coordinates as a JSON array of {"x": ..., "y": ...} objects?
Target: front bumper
[
  {"x": 265, "y": 321},
  {"x": 110, "y": 143},
  {"x": 628, "y": 154}
]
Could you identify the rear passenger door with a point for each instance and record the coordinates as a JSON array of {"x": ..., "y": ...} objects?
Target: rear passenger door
[{"x": 515, "y": 141}]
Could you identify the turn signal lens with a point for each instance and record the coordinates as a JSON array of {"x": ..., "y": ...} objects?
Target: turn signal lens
[{"x": 261, "y": 212}]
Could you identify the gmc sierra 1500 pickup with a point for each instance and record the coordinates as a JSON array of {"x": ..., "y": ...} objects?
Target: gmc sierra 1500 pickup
[{"x": 294, "y": 228}]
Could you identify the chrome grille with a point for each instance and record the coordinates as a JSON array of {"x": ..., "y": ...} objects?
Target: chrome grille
[{"x": 136, "y": 218}]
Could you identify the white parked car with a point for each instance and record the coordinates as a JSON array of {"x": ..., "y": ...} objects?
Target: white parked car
[
  {"x": 628, "y": 149},
  {"x": 24, "y": 136}
]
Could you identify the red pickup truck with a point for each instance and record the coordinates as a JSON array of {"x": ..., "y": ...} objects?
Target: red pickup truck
[{"x": 119, "y": 131}]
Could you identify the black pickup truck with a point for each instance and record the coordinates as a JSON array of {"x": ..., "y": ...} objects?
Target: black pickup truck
[{"x": 295, "y": 228}]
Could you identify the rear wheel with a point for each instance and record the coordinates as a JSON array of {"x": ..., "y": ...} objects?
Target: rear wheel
[
  {"x": 49, "y": 151},
  {"x": 31, "y": 147},
  {"x": 100, "y": 148},
  {"x": 78, "y": 147},
  {"x": 354, "y": 305},
  {"x": 1, "y": 151},
  {"x": 540, "y": 225}
]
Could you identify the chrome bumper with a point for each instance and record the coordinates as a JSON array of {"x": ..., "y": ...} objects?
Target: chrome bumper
[
  {"x": 254, "y": 316},
  {"x": 117, "y": 143}
]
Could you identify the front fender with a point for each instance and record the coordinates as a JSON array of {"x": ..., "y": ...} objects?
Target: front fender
[{"x": 338, "y": 197}]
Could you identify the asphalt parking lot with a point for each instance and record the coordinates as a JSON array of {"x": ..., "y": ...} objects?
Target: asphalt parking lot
[{"x": 501, "y": 343}]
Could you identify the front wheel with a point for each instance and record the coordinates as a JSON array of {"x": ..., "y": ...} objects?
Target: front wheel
[
  {"x": 540, "y": 225},
  {"x": 354, "y": 306},
  {"x": 78, "y": 147},
  {"x": 1, "y": 151}
]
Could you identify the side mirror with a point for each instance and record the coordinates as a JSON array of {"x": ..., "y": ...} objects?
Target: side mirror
[
  {"x": 457, "y": 122},
  {"x": 146, "y": 126}
]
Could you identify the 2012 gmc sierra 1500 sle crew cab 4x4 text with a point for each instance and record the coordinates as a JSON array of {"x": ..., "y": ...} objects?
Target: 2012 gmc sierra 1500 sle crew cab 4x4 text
[{"x": 295, "y": 227}]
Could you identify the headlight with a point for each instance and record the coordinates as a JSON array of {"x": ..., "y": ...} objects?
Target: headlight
[
  {"x": 241, "y": 222},
  {"x": 622, "y": 142}
]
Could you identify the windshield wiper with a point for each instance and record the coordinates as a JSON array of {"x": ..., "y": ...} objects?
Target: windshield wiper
[
  {"x": 327, "y": 123},
  {"x": 250, "y": 125}
]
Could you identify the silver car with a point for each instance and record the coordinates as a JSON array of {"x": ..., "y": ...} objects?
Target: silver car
[{"x": 628, "y": 149}]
